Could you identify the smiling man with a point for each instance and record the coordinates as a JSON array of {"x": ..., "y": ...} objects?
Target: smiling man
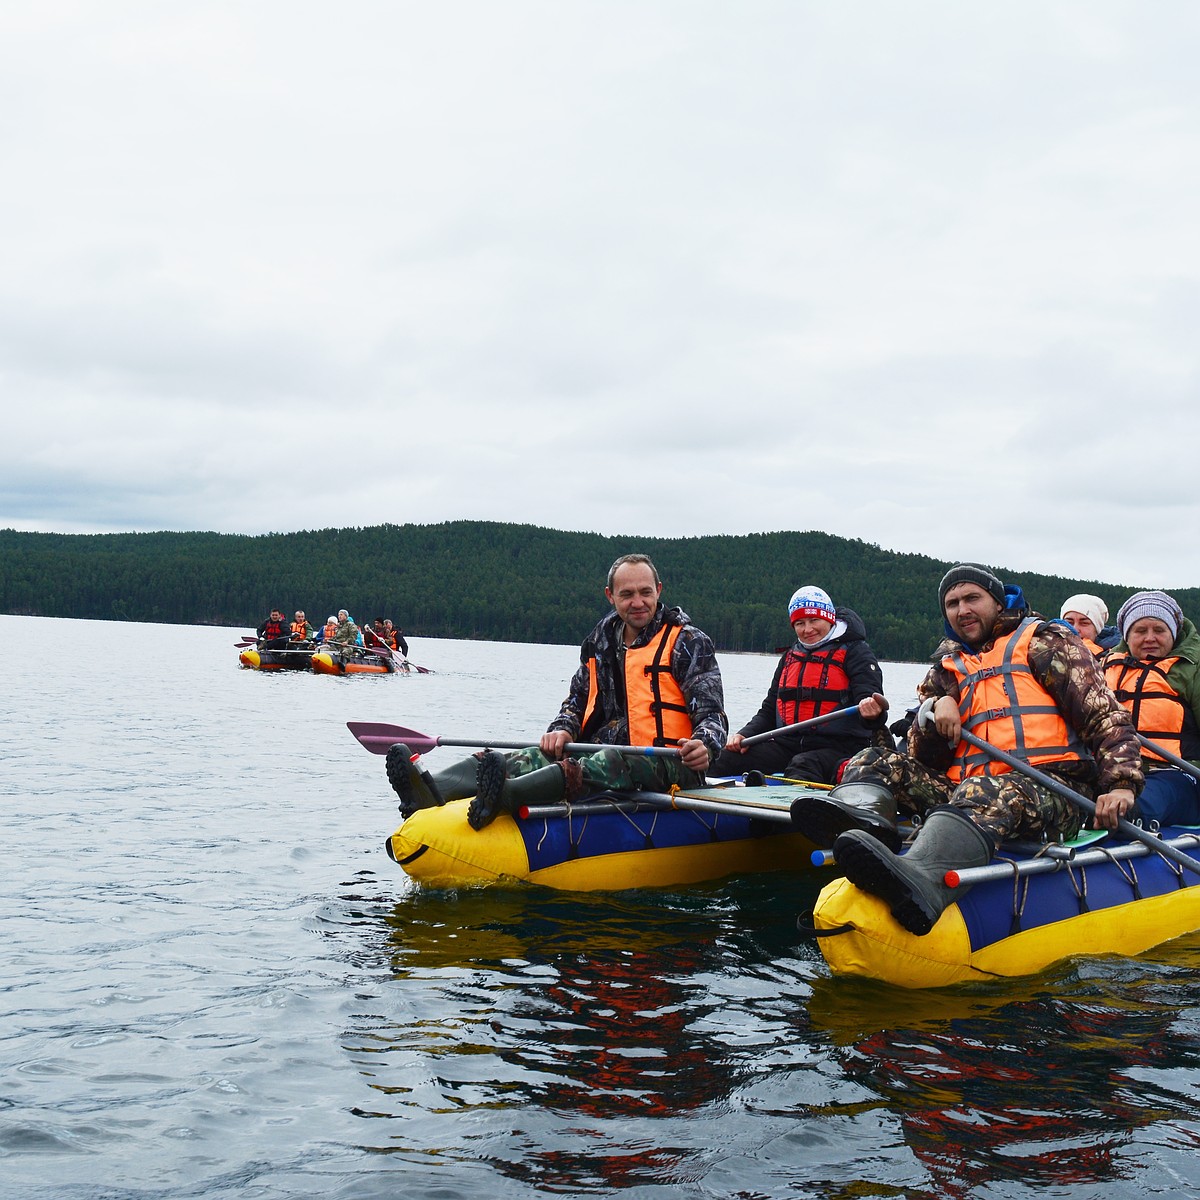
[
  {"x": 647, "y": 677},
  {"x": 1024, "y": 685}
]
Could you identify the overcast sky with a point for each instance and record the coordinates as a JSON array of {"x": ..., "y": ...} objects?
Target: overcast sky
[{"x": 925, "y": 274}]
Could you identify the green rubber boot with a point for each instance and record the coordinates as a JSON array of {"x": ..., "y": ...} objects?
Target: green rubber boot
[
  {"x": 913, "y": 884},
  {"x": 417, "y": 788},
  {"x": 867, "y": 806},
  {"x": 496, "y": 793}
]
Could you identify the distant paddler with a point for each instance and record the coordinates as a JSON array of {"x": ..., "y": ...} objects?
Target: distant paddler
[
  {"x": 647, "y": 677},
  {"x": 347, "y": 633},
  {"x": 274, "y": 633},
  {"x": 302, "y": 631},
  {"x": 1019, "y": 685}
]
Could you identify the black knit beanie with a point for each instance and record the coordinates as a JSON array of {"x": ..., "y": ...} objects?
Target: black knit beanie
[{"x": 970, "y": 573}]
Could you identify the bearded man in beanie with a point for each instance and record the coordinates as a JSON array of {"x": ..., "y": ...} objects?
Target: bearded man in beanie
[{"x": 1025, "y": 685}]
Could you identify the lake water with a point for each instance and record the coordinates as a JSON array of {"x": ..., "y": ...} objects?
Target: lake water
[{"x": 216, "y": 984}]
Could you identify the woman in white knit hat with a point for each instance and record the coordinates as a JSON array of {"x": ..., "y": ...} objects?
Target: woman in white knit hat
[
  {"x": 1088, "y": 616},
  {"x": 831, "y": 666},
  {"x": 1155, "y": 673}
]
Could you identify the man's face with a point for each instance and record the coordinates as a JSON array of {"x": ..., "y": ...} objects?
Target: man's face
[
  {"x": 634, "y": 595},
  {"x": 971, "y": 612}
]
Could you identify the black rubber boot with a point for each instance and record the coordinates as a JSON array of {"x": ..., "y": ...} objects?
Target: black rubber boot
[
  {"x": 417, "y": 788},
  {"x": 869, "y": 807},
  {"x": 912, "y": 885},
  {"x": 496, "y": 793}
]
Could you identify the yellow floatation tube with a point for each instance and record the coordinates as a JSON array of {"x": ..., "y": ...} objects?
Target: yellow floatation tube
[
  {"x": 1016, "y": 924},
  {"x": 592, "y": 848}
]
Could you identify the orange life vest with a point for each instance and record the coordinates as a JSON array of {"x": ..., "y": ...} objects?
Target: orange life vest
[
  {"x": 1001, "y": 701},
  {"x": 655, "y": 706},
  {"x": 812, "y": 682},
  {"x": 298, "y": 629},
  {"x": 1158, "y": 710}
]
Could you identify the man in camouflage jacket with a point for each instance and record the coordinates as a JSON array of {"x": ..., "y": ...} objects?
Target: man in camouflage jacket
[
  {"x": 543, "y": 774},
  {"x": 694, "y": 667},
  {"x": 965, "y": 821}
]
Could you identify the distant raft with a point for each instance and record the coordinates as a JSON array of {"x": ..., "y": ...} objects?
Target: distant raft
[
  {"x": 608, "y": 843},
  {"x": 1111, "y": 897}
]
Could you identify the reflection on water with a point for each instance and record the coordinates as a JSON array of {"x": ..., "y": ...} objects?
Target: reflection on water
[
  {"x": 589, "y": 1043},
  {"x": 1044, "y": 1081},
  {"x": 606, "y": 1017}
]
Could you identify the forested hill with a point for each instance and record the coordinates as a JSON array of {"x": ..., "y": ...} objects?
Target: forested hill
[{"x": 480, "y": 579}]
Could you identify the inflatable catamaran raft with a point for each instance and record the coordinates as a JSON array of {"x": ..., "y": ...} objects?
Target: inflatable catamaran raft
[{"x": 1022, "y": 912}]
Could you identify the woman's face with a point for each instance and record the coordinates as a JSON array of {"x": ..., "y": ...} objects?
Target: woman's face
[
  {"x": 1081, "y": 624},
  {"x": 810, "y": 630},
  {"x": 1149, "y": 638}
]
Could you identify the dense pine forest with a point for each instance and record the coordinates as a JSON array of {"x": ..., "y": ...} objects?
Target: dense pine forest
[{"x": 480, "y": 579}]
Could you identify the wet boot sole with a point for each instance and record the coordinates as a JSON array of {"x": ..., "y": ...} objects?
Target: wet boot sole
[
  {"x": 489, "y": 790},
  {"x": 872, "y": 868},
  {"x": 823, "y": 821},
  {"x": 400, "y": 771}
]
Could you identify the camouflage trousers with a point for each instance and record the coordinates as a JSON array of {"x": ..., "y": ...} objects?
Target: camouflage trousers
[
  {"x": 1009, "y": 806},
  {"x": 608, "y": 770}
]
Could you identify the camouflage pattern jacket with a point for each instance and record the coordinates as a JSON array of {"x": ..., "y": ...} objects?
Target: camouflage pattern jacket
[
  {"x": 1065, "y": 667},
  {"x": 346, "y": 634},
  {"x": 693, "y": 664}
]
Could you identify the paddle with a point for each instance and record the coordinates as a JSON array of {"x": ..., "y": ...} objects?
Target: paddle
[
  {"x": 380, "y": 738},
  {"x": 248, "y": 643},
  {"x": 402, "y": 663},
  {"x": 664, "y": 800},
  {"x": 836, "y": 715},
  {"x": 1181, "y": 763},
  {"x": 1129, "y": 829}
]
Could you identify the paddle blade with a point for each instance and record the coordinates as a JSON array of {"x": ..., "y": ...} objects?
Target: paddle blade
[{"x": 379, "y": 737}]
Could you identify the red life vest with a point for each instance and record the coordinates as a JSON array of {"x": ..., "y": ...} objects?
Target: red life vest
[
  {"x": 812, "y": 682},
  {"x": 273, "y": 629},
  {"x": 655, "y": 707},
  {"x": 1002, "y": 702},
  {"x": 1158, "y": 710}
]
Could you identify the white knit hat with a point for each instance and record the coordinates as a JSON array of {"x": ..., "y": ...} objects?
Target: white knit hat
[{"x": 1091, "y": 607}]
